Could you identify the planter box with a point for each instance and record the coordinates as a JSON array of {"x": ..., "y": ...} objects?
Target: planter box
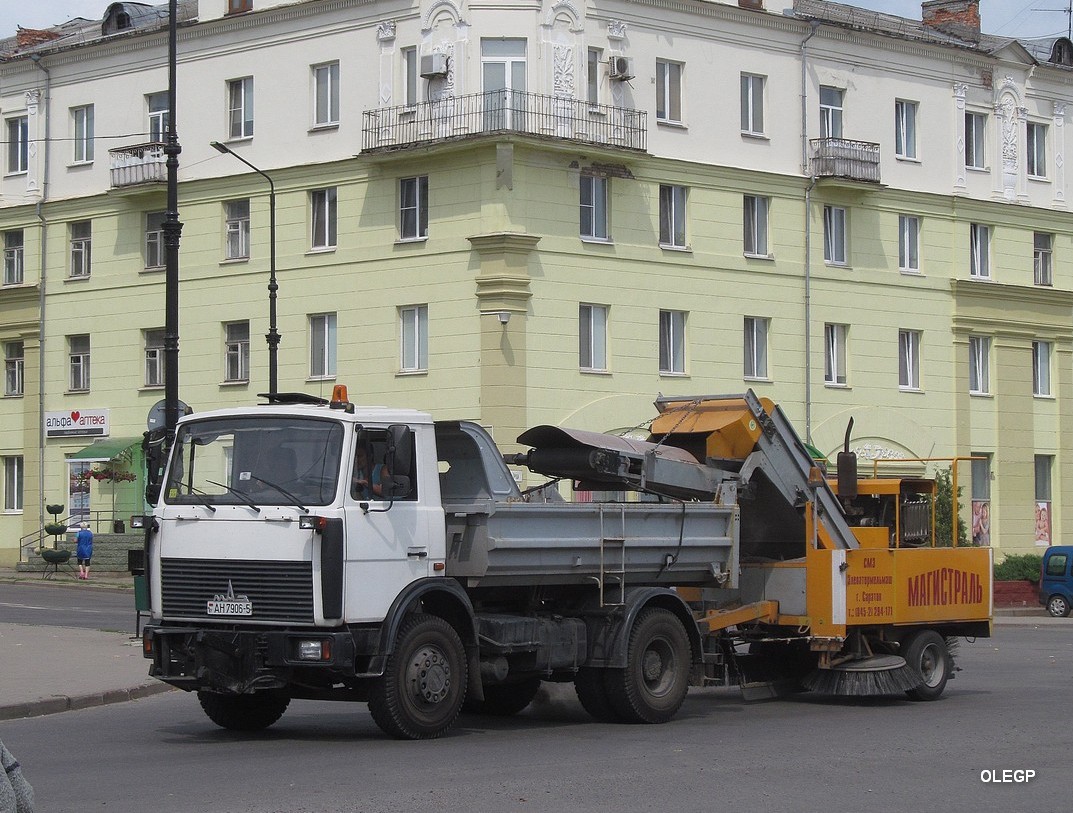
[{"x": 1016, "y": 594}]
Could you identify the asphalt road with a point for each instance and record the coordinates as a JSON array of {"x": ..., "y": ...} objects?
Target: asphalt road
[
  {"x": 1007, "y": 710},
  {"x": 67, "y": 606}
]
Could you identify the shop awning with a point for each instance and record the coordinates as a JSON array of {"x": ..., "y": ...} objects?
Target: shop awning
[{"x": 107, "y": 449}]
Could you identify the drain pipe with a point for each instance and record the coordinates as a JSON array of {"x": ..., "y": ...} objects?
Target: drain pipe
[
  {"x": 40, "y": 212},
  {"x": 806, "y": 171}
]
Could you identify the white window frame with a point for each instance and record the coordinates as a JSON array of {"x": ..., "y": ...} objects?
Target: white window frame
[
  {"x": 1036, "y": 150},
  {"x": 81, "y": 245},
  {"x": 14, "y": 369},
  {"x": 835, "y": 354},
  {"x": 413, "y": 208},
  {"x": 979, "y": 365},
  {"x": 156, "y": 106},
  {"x": 835, "y": 235},
  {"x": 979, "y": 251},
  {"x": 975, "y": 140},
  {"x": 909, "y": 359},
  {"x": 240, "y": 107},
  {"x": 323, "y": 343},
  {"x": 154, "y": 357},
  {"x": 669, "y": 91},
  {"x": 14, "y": 257},
  {"x": 78, "y": 354},
  {"x": 323, "y": 205},
  {"x": 755, "y": 211},
  {"x": 905, "y": 129},
  {"x": 1041, "y": 368},
  {"x": 325, "y": 94},
  {"x": 155, "y": 254},
  {"x": 592, "y": 337},
  {"x": 18, "y": 145},
  {"x": 413, "y": 338},
  {"x": 673, "y": 200},
  {"x": 82, "y": 127},
  {"x": 755, "y": 348},
  {"x": 237, "y": 229},
  {"x": 594, "y": 193},
  {"x": 14, "y": 484},
  {"x": 909, "y": 244},
  {"x": 1043, "y": 258},
  {"x": 411, "y": 76},
  {"x": 832, "y": 101},
  {"x": 594, "y": 59},
  {"x": 672, "y": 342},
  {"x": 237, "y": 351},
  {"x": 752, "y": 104}
]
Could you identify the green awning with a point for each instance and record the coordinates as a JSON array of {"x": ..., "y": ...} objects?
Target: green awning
[{"x": 106, "y": 449}]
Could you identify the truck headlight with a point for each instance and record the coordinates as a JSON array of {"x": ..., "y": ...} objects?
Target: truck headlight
[{"x": 315, "y": 650}]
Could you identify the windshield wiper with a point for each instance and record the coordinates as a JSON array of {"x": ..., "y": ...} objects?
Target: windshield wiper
[
  {"x": 282, "y": 491},
  {"x": 195, "y": 492},
  {"x": 242, "y": 497}
]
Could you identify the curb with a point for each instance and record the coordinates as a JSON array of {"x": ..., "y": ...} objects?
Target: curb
[{"x": 59, "y": 703}]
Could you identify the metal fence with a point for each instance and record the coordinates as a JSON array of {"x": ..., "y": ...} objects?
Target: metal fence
[
  {"x": 137, "y": 164},
  {"x": 843, "y": 158},
  {"x": 499, "y": 111}
]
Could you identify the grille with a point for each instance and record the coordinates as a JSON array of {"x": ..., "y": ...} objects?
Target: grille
[{"x": 279, "y": 591}]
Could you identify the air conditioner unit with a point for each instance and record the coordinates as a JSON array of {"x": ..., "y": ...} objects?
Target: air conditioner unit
[
  {"x": 433, "y": 66},
  {"x": 621, "y": 68}
]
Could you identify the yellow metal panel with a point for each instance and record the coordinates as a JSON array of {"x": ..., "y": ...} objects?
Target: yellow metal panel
[
  {"x": 873, "y": 537},
  {"x": 732, "y": 431}
]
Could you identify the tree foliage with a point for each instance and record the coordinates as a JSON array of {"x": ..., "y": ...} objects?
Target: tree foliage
[{"x": 944, "y": 511}]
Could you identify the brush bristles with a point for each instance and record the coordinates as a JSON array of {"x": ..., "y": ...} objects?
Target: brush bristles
[{"x": 862, "y": 683}]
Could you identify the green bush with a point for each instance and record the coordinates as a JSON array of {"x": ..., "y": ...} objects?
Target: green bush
[{"x": 1019, "y": 566}]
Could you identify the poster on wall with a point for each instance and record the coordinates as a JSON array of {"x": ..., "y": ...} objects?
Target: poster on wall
[
  {"x": 981, "y": 522},
  {"x": 1043, "y": 524}
]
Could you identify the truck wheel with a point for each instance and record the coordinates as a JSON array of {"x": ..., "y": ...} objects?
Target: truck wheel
[
  {"x": 654, "y": 683},
  {"x": 504, "y": 699},
  {"x": 591, "y": 687},
  {"x": 421, "y": 691},
  {"x": 243, "y": 712},
  {"x": 1058, "y": 606},
  {"x": 926, "y": 654}
]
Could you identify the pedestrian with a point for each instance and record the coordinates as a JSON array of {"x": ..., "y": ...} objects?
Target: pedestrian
[
  {"x": 84, "y": 551},
  {"x": 16, "y": 795}
]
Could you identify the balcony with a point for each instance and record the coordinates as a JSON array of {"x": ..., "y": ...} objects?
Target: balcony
[
  {"x": 842, "y": 158},
  {"x": 503, "y": 111},
  {"x": 137, "y": 165}
]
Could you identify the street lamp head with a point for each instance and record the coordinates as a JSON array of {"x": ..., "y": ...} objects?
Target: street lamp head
[{"x": 221, "y": 148}]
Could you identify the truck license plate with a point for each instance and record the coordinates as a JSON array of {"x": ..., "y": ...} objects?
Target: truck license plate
[{"x": 230, "y": 608}]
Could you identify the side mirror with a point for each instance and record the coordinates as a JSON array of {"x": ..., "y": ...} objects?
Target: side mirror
[
  {"x": 400, "y": 458},
  {"x": 155, "y": 448}
]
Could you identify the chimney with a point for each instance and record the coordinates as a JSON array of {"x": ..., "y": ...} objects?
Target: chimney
[
  {"x": 955, "y": 18},
  {"x": 29, "y": 37}
]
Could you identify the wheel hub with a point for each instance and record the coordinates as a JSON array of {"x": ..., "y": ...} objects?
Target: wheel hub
[{"x": 429, "y": 675}]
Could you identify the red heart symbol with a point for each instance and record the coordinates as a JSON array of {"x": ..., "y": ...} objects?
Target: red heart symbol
[{"x": 75, "y": 416}]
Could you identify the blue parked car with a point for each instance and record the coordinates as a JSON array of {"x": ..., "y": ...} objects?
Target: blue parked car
[{"x": 1056, "y": 580}]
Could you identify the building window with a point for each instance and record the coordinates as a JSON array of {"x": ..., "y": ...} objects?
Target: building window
[
  {"x": 1044, "y": 463},
  {"x": 240, "y": 107},
  {"x": 979, "y": 365},
  {"x": 834, "y": 354},
  {"x": 672, "y": 338},
  {"x": 975, "y": 124},
  {"x": 672, "y": 216},
  {"x": 909, "y": 359},
  {"x": 830, "y": 112},
  {"x": 594, "y": 59},
  {"x": 13, "y": 257},
  {"x": 410, "y": 75},
  {"x": 154, "y": 358},
  {"x": 237, "y": 351},
  {"x": 239, "y": 6},
  {"x": 1037, "y": 150},
  {"x": 13, "y": 484},
  {"x": 592, "y": 337},
  {"x": 413, "y": 338},
  {"x": 752, "y": 104},
  {"x": 905, "y": 129},
  {"x": 413, "y": 208},
  {"x": 755, "y": 336},
  {"x": 908, "y": 243},
  {"x": 326, "y": 94},
  {"x": 981, "y": 498},
  {"x": 834, "y": 235},
  {"x": 82, "y": 119},
  {"x": 154, "y": 240},
  {"x": 18, "y": 145},
  {"x": 594, "y": 207},
  {"x": 81, "y": 243},
  {"x": 78, "y": 355},
  {"x": 1041, "y": 368},
  {"x": 668, "y": 91},
  {"x": 14, "y": 360},
  {"x": 157, "y": 105},
  {"x": 1042, "y": 271},
  {"x": 237, "y": 225},
  {"x": 979, "y": 251},
  {"x": 323, "y": 211},
  {"x": 755, "y": 219},
  {"x": 322, "y": 343}
]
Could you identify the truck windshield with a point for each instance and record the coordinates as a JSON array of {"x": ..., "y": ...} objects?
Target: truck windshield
[{"x": 259, "y": 461}]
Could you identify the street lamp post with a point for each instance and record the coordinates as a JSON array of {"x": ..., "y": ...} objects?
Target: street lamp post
[{"x": 272, "y": 337}]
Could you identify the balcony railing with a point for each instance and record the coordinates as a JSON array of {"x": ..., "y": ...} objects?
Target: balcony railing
[
  {"x": 138, "y": 164},
  {"x": 503, "y": 111},
  {"x": 842, "y": 158}
]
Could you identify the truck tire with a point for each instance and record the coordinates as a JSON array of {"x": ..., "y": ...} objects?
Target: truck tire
[
  {"x": 591, "y": 687},
  {"x": 243, "y": 712},
  {"x": 504, "y": 699},
  {"x": 927, "y": 655},
  {"x": 654, "y": 683},
  {"x": 420, "y": 694}
]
